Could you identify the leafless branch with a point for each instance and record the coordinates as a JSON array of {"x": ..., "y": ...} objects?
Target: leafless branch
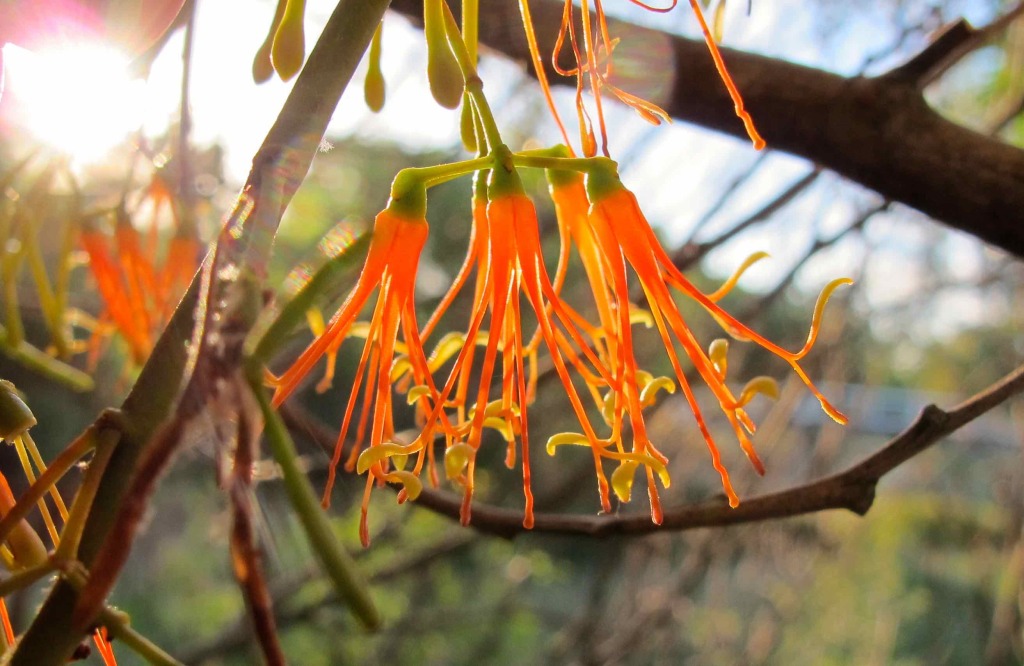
[
  {"x": 689, "y": 254},
  {"x": 950, "y": 46}
]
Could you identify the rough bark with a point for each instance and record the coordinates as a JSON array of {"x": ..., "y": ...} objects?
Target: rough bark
[{"x": 878, "y": 132}]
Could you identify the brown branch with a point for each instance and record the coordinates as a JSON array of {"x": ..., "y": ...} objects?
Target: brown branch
[
  {"x": 853, "y": 489},
  {"x": 878, "y": 132},
  {"x": 950, "y": 46},
  {"x": 690, "y": 253}
]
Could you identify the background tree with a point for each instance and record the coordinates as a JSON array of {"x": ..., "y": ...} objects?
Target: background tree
[{"x": 933, "y": 574}]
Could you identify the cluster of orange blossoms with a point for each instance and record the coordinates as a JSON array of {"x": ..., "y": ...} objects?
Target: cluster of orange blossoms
[
  {"x": 139, "y": 289},
  {"x": 600, "y": 218}
]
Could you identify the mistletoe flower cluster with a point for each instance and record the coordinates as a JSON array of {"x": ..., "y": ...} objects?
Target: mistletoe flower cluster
[
  {"x": 485, "y": 376},
  {"x": 616, "y": 245}
]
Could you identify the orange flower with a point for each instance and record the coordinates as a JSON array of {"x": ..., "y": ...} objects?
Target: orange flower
[
  {"x": 138, "y": 297},
  {"x": 631, "y": 388},
  {"x": 627, "y": 237},
  {"x": 183, "y": 253},
  {"x": 505, "y": 248},
  {"x": 390, "y": 267},
  {"x": 127, "y": 314}
]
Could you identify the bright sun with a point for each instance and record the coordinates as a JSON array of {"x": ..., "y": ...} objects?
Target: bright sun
[{"x": 78, "y": 100}]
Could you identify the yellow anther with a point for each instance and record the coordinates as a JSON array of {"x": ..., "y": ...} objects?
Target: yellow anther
[
  {"x": 412, "y": 484},
  {"x": 608, "y": 407},
  {"x": 359, "y": 329},
  {"x": 717, "y": 354},
  {"x": 766, "y": 386},
  {"x": 643, "y": 378},
  {"x": 375, "y": 454},
  {"x": 835, "y": 414},
  {"x": 448, "y": 346},
  {"x": 456, "y": 458},
  {"x": 315, "y": 319},
  {"x": 718, "y": 21},
  {"x": 400, "y": 367},
  {"x": 819, "y": 310},
  {"x": 415, "y": 393},
  {"x": 497, "y": 408},
  {"x": 622, "y": 479},
  {"x": 648, "y": 395},
  {"x": 502, "y": 426},
  {"x": 658, "y": 467},
  {"x": 566, "y": 438},
  {"x": 638, "y": 315}
]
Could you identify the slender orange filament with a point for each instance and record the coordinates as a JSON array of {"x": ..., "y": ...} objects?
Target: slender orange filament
[
  {"x": 6, "y": 619},
  {"x": 604, "y": 45},
  {"x": 538, "y": 67},
  {"x": 734, "y": 92},
  {"x": 595, "y": 77}
]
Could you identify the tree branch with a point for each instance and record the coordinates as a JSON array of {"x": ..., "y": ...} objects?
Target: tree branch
[
  {"x": 853, "y": 489},
  {"x": 878, "y": 132}
]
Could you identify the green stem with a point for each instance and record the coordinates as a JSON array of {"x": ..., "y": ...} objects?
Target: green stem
[
  {"x": 48, "y": 302},
  {"x": 43, "y": 364},
  {"x": 471, "y": 26},
  {"x": 560, "y": 150},
  {"x": 26, "y": 577},
  {"x": 337, "y": 563},
  {"x": 58, "y": 468},
  {"x": 442, "y": 173},
  {"x": 409, "y": 189},
  {"x": 10, "y": 267},
  {"x": 71, "y": 535},
  {"x": 474, "y": 86},
  {"x": 62, "y": 281},
  {"x": 117, "y": 624},
  {"x": 583, "y": 165}
]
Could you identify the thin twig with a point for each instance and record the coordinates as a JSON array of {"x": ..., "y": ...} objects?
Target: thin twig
[
  {"x": 950, "y": 46},
  {"x": 690, "y": 253},
  {"x": 853, "y": 489},
  {"x": 238, "y": 634}
]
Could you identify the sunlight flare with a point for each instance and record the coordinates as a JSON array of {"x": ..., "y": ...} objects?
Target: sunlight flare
[{"x": 79, "y": 100}]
